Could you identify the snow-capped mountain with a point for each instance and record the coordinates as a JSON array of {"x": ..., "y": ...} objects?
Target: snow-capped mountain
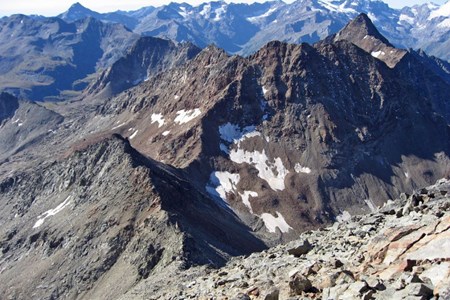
[{"x": 244, "y": 28}]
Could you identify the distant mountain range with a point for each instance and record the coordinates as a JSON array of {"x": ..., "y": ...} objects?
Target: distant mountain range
[
  {"x": 56, "y": 58},
  {"x": 49, "y": 57},
  {"x": 244, "y": 28}
]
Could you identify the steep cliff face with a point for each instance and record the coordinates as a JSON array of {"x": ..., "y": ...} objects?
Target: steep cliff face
[{"x": 94, "y": 223}]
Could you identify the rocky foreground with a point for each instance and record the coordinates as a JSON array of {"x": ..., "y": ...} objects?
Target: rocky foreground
[{"x": 401, "y": 251}]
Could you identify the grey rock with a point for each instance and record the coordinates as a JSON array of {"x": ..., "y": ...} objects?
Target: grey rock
[
  {"x": 241, "y": 296},
  {"x": 299, "y": 283},
  {"x": 271, "y": 294},
  {"x": 301, "y": 248}
]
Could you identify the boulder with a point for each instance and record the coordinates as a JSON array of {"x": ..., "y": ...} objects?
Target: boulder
[
  {"x": 299, "y": 284},
  {"x": 302, "y": 248}
]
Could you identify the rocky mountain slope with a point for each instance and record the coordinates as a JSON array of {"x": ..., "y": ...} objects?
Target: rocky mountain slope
[
  {"x": 147, "y": 57},
  {"x": 214, "y": 157},
  {"x": 292, "y": 135},
  {"x": 397, "y": 252},
  {"x": 43, "y": 57},
  {"x": 92, "y": 224},
  {"x": 244, "y": 28},
  {"x": 23, "y": 125}
]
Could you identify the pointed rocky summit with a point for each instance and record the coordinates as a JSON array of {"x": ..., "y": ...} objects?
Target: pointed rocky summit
[{"x": 361, "y": 32}]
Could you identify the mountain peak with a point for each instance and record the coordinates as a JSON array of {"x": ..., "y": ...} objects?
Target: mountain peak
[
  {"x": 77, "y": 11},
  {"x": 361, "y": 27},
  {"x": 362, "y": 33},
  {"x": 77, "y": 6}
]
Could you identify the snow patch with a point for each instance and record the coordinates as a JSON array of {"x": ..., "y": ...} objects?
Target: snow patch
[
  {"x": 442, "y": 11},
  {"x": 444, "y": 24},
  {"x": 158, "y": 118},
  {"x": 182, "y": 12},
  {"x": 232, "y": 133},
  {"x": 272, "y": 222},
  {"x": 165, "y": 133},
  {"x": 51, "y": 212},
  {"x": 406, "y": 18},
  {"x": 264, "y": 90},
  {"x": 264, "y": 15},
  {"x": 377, "y": 54},
  {"x": 219, "y": 13},
  {"x": 134, "y": 135},
  {"x": 272, "y": 172},
  {"x": 206, "y": 10},
  {"x": 222, "y": 183},
  {"x": 299, "y": 169},
  {"x": 184, "y": 116},
  {"x": 245, "y": 199}
]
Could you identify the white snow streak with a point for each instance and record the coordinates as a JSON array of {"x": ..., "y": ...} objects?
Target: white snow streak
[
  {"x": 51, "y": 212},
  {"x": 266, "y": 14},
  {"x": 299, "y": 169},
  {"x": 118, "y": 126},
  {"x": 245, "y": 199},
  {"x": 134, "y": 135},
  {"x": 220, "y": 12},
  {"x": 444, "y": 24}
]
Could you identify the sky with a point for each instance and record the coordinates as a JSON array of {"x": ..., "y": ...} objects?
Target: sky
[{"x": 52, "y": 7}]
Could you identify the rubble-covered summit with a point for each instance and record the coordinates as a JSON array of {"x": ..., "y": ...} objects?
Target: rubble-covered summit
[{"x": 400, "y": 251}]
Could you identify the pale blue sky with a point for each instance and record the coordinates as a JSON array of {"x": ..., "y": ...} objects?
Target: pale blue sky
[{"x": 52, "y": 7}]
